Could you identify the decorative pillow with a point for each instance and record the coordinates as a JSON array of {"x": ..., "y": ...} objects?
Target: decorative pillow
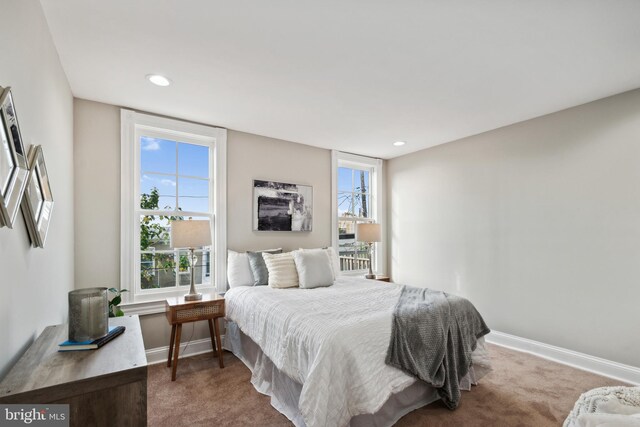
[
  {"x": 282, "y": 270},
  {"x": 314, "y": 268},
  {"x": 238, "y": 269},
  {"x": 258, "y": 267},
  {"x": 335, "y": 261}
]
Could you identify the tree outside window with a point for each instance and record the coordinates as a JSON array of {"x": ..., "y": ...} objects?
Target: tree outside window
[{"x": 154, "y": 232}]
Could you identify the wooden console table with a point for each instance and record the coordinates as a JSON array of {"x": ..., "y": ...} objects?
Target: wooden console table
[{"x": 103, "y": 387}]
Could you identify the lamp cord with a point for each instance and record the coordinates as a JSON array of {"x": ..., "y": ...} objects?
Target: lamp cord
[{"x": 193, "y": 328}]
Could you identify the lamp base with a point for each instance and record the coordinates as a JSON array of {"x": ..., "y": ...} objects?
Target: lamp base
[
  {"x": 193, "y": 297},
  {"x": 370, "y": 275}
]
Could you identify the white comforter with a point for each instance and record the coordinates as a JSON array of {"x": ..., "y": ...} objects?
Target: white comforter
[{"x": 332, "y": 340}]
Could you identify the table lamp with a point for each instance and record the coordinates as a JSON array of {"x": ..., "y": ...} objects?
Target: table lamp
[
  {"x": 369, "y": 233},
  {"x": 191, "y": 234}
]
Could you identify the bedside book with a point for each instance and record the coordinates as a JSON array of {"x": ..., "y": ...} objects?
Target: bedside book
[{"x": 114, "y": 331}]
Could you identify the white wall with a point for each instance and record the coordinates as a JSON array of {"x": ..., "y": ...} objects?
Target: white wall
[
  {"x": 34, "y": 282},
  {"x": 97, "y": 186},
  {"x": 257, "y": 157},
  {"x": 537, "y": 223}
]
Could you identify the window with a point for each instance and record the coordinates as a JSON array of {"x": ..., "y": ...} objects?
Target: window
[
  {"x": 357, "y": 186},
  {"x": 174, "y": 185},
  {"x": 171, "y": 170}
]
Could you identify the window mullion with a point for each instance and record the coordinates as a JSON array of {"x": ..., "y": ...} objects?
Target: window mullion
[
  {"x": 177, "y": 180},
  {"x": 173, "y": 175}
]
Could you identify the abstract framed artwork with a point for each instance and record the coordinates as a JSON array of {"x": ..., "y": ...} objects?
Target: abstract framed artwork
[
  {"x": 37, "y": 203},
  {"x": 279, "y": 206},
  {"x": 14, "y": 167}
]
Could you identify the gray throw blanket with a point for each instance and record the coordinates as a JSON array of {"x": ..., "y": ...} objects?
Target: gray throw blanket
[{"x": 432, "y": 338}]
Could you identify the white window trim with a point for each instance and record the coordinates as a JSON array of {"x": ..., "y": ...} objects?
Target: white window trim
[
  {"x": 339, "y": 158},
  {"x": 131, "y": 121}
]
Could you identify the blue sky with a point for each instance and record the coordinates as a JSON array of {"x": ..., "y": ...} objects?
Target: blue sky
[
  {"x": 190, "y": 180},
  {"x": 349, "y": 179}
]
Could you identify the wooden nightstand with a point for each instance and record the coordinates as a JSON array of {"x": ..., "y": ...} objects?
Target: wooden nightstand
[
  {"x": 179, "y": 311},
  {"x": 382, "y": 278}
]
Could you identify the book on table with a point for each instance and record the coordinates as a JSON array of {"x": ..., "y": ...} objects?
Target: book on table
[{"x": 114, "y": 331}]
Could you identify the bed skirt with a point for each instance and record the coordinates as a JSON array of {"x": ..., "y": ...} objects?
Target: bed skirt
[{"x": 285, "y": 392}]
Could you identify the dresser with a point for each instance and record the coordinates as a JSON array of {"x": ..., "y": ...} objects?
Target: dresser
[{"x": 103, "y": 387}]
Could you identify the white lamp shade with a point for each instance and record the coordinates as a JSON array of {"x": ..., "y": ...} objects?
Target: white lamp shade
[
  {"x": 190, "y": 234},
  {"x": 368, "y": 232}
]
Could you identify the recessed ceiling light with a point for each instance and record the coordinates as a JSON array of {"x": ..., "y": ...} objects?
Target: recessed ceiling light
[
  {"x": 158, "y": 80},
  {"x": 399, "y": 143}
]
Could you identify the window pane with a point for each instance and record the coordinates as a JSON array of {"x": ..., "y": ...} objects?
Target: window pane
[
  {"x": 193, "y": 160},
  {"x": 345, "y": 179},
  {"x": 362, "y": 205},
  {"x": 193, "y": 195},
  {"x": 353, "y": 255},
  {"x": 157, "y": 155},
  {"x": 354, "y": 193},
  {"x": 346, "y": 231},
  {"x": 202, "y": 270},
  {"x": 157, "y": 192},
  {"x": 183, "y": 271},
  {"x": 162, "y": 267},
  {"x": 154, "y": 233},
  {"x": 346, "y": 244},
  {"x": 361, "y": 181},
  {"x": 157, "y": 270},
  {"x": 345, "y": 204}
]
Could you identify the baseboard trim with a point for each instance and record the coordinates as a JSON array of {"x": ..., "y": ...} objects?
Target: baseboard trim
[
  {"x": 159, "y": 354},
  {"x": 585, "y": 362}
]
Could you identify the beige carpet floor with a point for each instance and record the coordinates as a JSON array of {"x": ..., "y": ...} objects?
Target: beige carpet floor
[{"x": 523, "y": 390}]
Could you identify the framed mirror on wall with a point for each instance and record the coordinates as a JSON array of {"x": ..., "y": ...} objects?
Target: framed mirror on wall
[
  {"x": 14, "y": 167},
  {"x": 37, "y": 203}
]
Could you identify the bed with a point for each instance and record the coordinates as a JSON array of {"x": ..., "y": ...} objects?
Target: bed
[{"x": 320, "y": 353}]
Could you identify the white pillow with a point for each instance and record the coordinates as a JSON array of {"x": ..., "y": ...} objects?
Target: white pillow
[
  {"x": 282, "y": 270},
  {"x": 238, "y": 269},
  {"x": 335, "y": 261},
  {"x": 314, "y": 268}
]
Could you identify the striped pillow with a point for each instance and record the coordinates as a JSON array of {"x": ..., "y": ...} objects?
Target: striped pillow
[{"x": 282, "y": 270}]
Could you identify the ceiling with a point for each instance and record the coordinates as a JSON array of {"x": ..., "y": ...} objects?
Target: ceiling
[{"x": 350, "y": 75}]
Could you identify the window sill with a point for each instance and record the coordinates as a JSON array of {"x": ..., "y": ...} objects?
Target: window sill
[
  {"x": 143, "y": 308},
  {"x": 147, "y": 304}
]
